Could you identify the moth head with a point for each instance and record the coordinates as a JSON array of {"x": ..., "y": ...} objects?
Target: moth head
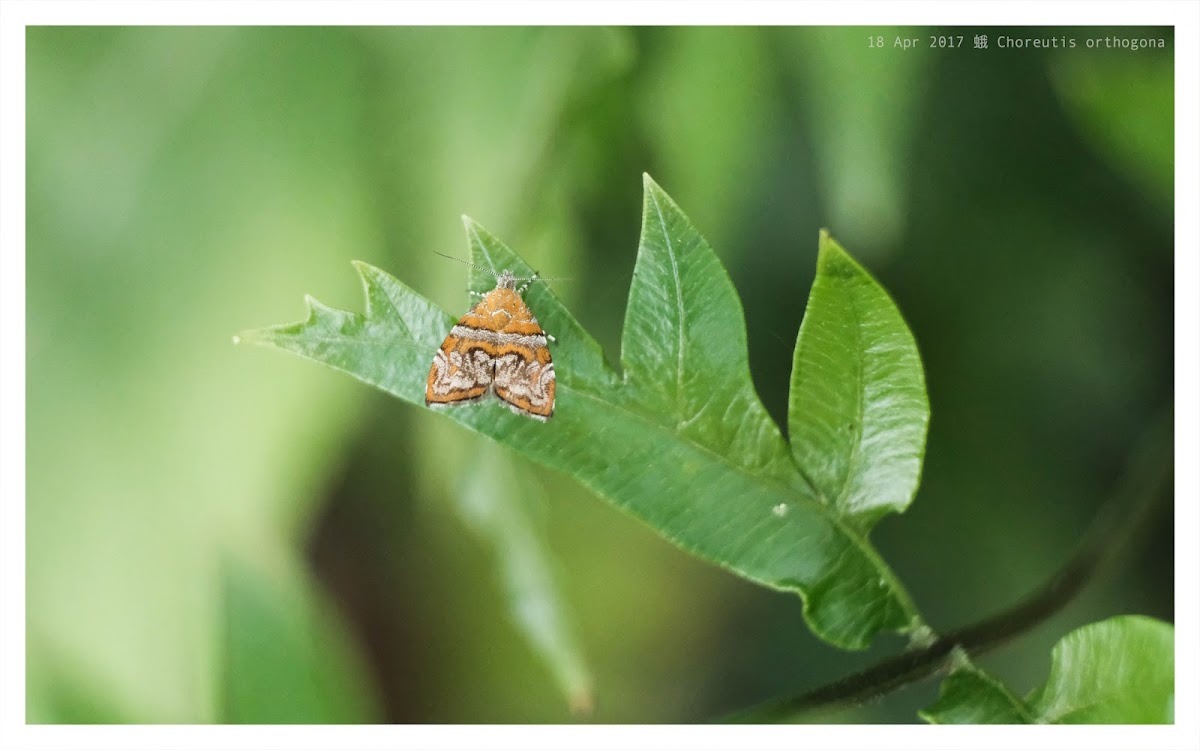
[{"x": 505, "y": 279}]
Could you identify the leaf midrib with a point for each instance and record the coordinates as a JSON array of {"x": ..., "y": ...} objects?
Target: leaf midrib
[
  {"x": 679, "y": 369},
  {"x": 859, "y": 410}
]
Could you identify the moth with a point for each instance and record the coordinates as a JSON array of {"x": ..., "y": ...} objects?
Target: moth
[{"x": 499, "y": 348}]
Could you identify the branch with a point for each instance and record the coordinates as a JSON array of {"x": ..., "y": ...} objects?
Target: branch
[{"x": 1148, "y": 474}]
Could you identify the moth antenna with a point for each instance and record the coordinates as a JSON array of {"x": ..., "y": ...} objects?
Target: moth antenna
[
  {"x": 528, "y": 280},
  {"x": 468, "y": 263},
  {"x": 538, "y": 277}
]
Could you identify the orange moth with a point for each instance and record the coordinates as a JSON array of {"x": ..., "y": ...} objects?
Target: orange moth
[{"x": 498, "y": 347}]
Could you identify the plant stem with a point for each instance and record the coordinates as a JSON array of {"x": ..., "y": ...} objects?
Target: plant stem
[{"x": 1149, "y": 473}]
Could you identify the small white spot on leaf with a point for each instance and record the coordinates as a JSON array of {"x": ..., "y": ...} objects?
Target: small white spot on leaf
[{"x": 780, "y": 510}]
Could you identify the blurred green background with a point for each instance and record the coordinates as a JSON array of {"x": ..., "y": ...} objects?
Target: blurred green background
[{"x": 222, "y": 533}]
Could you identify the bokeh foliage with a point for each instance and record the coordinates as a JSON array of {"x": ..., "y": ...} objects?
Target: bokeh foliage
[{"x": 185, "y": 183}]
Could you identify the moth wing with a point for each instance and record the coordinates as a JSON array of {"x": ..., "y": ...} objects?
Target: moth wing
[
  {"x": 526, "y": 385},
  {"x": 462, "y": 370}
]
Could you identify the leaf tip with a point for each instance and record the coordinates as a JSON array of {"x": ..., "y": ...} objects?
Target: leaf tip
[
  {"x": 832, "y": 258},
  {"x": 650, "y": 187},
  {"x": 258, "y": 336},
  {"x": 477, "y": 236},
  {"x": 366, "y": 272},
  {"x": 826, "y": 242},
  {"x": 659, "y": 200},
  {"x": 313, "y": 307}
]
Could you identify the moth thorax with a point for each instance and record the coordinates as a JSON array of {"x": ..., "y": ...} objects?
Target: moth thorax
[{"x": 506, "y": 280}]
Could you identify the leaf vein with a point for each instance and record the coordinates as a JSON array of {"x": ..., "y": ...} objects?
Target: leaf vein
[{"x": 679, "y": 368}]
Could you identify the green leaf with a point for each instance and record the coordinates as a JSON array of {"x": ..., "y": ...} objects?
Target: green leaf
[
  {"x": 680, "y": 440},
  {"x": 1118, "y": 671},
  {"x": 683, "y": 347},
  {"x": 971, "y": 696},
  {"x": 858, "y": 411},
  {"x": 502, "y": 512},
  {"x": 284, "y": 661}
]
